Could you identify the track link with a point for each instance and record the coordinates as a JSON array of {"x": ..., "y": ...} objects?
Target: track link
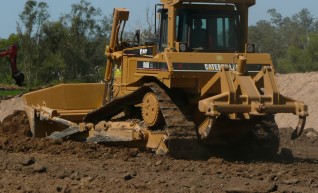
[
  {"x": 181, "y": 134},
  {"x": 182, "y": 140},
  {"x": 264, "y": 137}
]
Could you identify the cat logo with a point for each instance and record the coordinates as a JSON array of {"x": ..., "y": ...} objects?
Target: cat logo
[
  {"x": 217, "y": 67},
  {"x": 143, "y": 51}
]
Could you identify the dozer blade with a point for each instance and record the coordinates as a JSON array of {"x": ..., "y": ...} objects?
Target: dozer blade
[
  {"x": 104, "y": 132},
  {"x": 115, "y": 132},
  {"x": 94, "y": 137},
  {"x": 65, "y": 133}
]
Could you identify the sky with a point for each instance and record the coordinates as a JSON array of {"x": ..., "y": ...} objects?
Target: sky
[{"x": 10, "y": 10}]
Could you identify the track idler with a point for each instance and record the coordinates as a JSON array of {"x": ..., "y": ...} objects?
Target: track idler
[{"x": 299, "y": 129}]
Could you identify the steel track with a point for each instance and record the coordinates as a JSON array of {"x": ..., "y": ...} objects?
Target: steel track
[{"x": 181, "y": 134}]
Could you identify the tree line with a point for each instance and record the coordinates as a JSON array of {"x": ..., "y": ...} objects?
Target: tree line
[
  {"x": 67, "y": 50},
  {"x": 71, "y": 49},
  {"x": 292, "y": 41}
]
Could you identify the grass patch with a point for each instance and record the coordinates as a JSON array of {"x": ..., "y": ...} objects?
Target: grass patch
[{"x": 10, "y": 93}]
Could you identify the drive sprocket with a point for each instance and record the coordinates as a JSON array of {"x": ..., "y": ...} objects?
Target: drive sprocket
[{"x": 150, "y": 110}]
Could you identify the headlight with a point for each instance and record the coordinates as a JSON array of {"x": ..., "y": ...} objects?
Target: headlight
[
  {"x": 250, "y": 48},
  {"x": 183, "y": 47}
]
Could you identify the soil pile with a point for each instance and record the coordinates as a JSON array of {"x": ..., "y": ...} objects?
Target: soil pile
[
  {"x": 7, "y": 107},
  {"x": 302, "y": 87},
  {"x": 44, "y": 165}
]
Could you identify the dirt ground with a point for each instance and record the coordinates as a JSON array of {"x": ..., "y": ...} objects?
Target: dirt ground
[
  {"x": 303, "y": 87},
  {"x": 43, "y": 165}
]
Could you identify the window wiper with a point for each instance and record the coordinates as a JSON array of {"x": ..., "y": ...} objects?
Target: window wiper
[{"x": 198, "y": 49}]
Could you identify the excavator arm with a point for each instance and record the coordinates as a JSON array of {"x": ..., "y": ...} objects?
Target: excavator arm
[{"x": 12, "y": 53}]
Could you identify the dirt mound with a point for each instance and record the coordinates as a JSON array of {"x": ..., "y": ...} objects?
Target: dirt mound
[
  {"x": 67, "y": 166},
  {"x": 15, "y": 124},
  {"x": 303, "y": 87},
  {"x": 15, "y": 130},
  {"x": 15, "y": 136},
  {"x": 7, "y": 107}
]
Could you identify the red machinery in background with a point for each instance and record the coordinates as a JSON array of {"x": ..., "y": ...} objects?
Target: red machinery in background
[{"x": 12, "y": 53}]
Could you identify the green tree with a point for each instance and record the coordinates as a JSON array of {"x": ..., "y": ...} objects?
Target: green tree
[
  {"x": 32, "y": 18},
  {"x": 85, "y": 43},
  {"x": 290, "y": 40},
  {"x": 300, "y": 59},
  {"x": 52, "y": 67},
  {"x": 67, "y": 50},
  {"x": 267, "y": 39}
]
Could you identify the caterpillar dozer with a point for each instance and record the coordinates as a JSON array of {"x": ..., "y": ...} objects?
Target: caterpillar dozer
[{"x": 198, "y": 81}]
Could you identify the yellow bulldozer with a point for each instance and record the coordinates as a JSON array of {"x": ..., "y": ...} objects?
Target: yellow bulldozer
[{"x": 196, "y": 81}]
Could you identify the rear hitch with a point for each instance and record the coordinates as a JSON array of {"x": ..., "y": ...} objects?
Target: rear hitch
[{"x": 299, "y": 129}]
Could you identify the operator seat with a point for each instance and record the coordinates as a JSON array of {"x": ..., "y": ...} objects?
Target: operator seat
[{"x": 199, "y": 35}]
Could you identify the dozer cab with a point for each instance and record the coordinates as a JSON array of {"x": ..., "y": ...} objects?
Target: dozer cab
[{"x": 198, "y": 80}]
